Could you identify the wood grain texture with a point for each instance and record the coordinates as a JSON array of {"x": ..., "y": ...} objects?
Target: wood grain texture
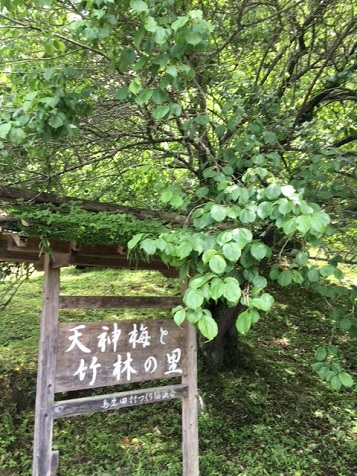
[
  {"x": 115, "y": 401},
  {"x": 190, "y": 407},
  {"x": 42, "y": 455},
  {"x": 99, "y": 354},
  {"x": 116, "y": 302}
]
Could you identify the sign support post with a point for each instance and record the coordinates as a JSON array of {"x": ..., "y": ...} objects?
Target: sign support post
[
  {"x": 42, "y": 453},
  {"x": 190, "y": 407}
]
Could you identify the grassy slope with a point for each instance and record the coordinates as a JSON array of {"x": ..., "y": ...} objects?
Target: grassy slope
[{"x": 266, "y": 415}]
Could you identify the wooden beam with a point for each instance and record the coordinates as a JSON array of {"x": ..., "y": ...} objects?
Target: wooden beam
[
  {"x": 18, "y": 256},
  {"x": 115, "y": 401},
  {"x": 113, "y": 302}
]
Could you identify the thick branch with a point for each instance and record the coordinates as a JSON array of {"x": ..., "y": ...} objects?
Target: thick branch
[{"x": 16, "y": 194}]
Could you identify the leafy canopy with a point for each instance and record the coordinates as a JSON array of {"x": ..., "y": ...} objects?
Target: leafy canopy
[{"x": 239, "y": 114}]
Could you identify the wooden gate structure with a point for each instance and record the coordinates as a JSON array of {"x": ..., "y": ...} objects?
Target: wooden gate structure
[{"x": 80, "y": 355}]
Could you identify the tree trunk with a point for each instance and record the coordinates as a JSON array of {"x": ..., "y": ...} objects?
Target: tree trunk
[{"x": 223, "y": 349}]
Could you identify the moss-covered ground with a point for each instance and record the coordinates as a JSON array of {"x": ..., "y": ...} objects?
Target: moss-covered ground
[{"x": 267, "y": 414}]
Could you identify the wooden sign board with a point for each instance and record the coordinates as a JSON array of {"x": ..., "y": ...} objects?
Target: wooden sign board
[
  {"x": 98, "y": 354},
  {"x": 84, "y": 355}
]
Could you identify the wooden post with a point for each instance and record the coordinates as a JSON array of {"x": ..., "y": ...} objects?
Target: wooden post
[
  {"x": 190, "y": 407},
  {"x": 43, "y": 460}
]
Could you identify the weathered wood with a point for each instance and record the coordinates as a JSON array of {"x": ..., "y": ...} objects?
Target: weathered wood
[
  {"x": 118, "y": 261},
  {"x": 42, "y": 454},
  {"x": 17, "y": 243},
  {"x": 190, "y": 407},
  {"x": 99, "y": 354},
  {"x": 17, "y": 257},
  {"x": 115, "y": 401},
  {"x": 54, "y": 464},
  {"x": 102, "y": 256},
  {"x": 116, "y": 302}
]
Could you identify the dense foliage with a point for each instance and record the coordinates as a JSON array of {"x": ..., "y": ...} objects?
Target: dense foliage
[{"x": 239, "y": 114}]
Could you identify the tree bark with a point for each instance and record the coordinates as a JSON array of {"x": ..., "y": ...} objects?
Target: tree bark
[{"x": 223, "y": 349}]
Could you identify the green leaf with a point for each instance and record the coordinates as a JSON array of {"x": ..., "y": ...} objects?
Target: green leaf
[
  {"x": 175, "y": 109},
  {"x": 285, "y": 206},
  {"x": 327, "y": 270},
  {"x": 321, "y": 354},
  {"x": 297, "y": 277},
  {"x": 264, "y": 210},
  {"x": 264, "y": 302},
  {"x": 149, "y": 246},
  {"x": 259, "y": 251},
  {"x": 313, "y": 275},
  {"x": 218, "y": 212},
  {"x": 335, "y": 383},
  {"x": 302, "y": 258},
  {"x": 139, "y": 6},
  {"x": 199, "y": 280},
  {"x": 244, "y": 322},
  {"x": 269, "y": 137},
  {"x": 17, "y": 135},
  {"x": 285, "y": 278},
  {"x": 4, "y": 130},
  {"x": 346, "y": 379},
  {"x": 247, "y": 216},
  {"x": 260, "y": 282},
  {"x": 167, "y": 195},
  {"x": 135, "y": 86},
  {"x": 345, "y": 324},
  {"x": 273, "y": 191},
  {"x": 127, "y": 58},
  {"x": 232, "y": 291},
  {"x": 176, "y": 200},
  {"x": 121, "y": 94},
  {"x": 194, "y": 315},
  {"x": 193, "y": 298},
  {"x": 179, "y": 23},
  {"x": 217, "y": 288},
  {"x": 134, "y": 241},
  {"x": 161, "y": 35},
  {"x": 49, "y": 73},
  {"x": 171, "y": 71},
  {"x": 150, "y": 24},
  {"x": 56, "y": 121},
  {"x": 303, "y": 224},
  {"x": 207, "y": 325},
  {"x": 224, "y": 237},
  {"x": 288, "y": 190},
  {"x": 184, "y": 249},
  {"x": 160, "y": 112},
  {"x": 179, "y": 315},
  {"x": 143, "y": 97},
  {"x": 231, "y": 251},
  {"x": 207, "y": 255},
  {"x": 217, "y": 264},
  {"x": 289, "y": 226},
  {"x": 220, "y": 131},
  {"x": 159, "y": 96},
  {"x": 193, "y": 38},
  {"x": 242, "y": 236}
]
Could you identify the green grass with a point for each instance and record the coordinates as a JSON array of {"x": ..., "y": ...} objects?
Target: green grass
[{"x": 268, "y": 414}]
